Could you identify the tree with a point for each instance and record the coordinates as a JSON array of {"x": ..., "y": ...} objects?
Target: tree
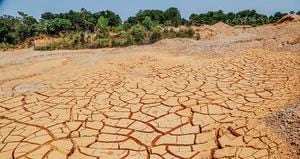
[
  {"x": 229, "y": 18},
  {"x": 144, "y": 27},
  {"x": 8, "y": 25},
  {"x": 195, "y": 20},
  {"x": 27, "y": 26},
  {"x": 131, "y": 21},
  {"x": 102, "y": 27},
  {"x": 48, "y": 16},
  {"x": 138, "y": 33},
  {"x": 74, "y": 18},
  {"x": 87, "y": 20},
  {"x": 148, "y": 23},
  {"x": 277, "y": 16},
  {"x": 113, "y": 18},
  {"x": 172, "y": 17},
  {"x": 81, "y": 21},
  {"x": 184, "y": 22},
  {"x": 55, "y": 26},
  {"x": 157, "y": 16}
]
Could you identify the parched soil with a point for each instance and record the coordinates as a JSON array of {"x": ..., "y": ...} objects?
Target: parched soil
[{"x": 145, "y": 102}]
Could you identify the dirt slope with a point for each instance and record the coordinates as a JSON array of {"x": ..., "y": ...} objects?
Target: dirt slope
[{"x": 221, "y": 38}]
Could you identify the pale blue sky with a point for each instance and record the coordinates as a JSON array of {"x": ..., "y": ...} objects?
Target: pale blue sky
[{"x": 126, "y": 8}]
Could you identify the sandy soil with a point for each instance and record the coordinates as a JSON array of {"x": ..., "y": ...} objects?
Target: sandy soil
[{"x": 158, "y": 101}]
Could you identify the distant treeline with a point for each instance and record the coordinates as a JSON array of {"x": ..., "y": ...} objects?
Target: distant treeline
[{"x": 145, "y": 24}]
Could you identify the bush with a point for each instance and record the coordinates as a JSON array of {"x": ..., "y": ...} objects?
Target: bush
[
  {"x": 185, "y": 33},
  {"x": 50, "y": 46},
  {"x": 102, "y": 28},
  {"x": 102, "y": 43},
  {"x": 182, "y": 33},
  {"x": 67, "y": 42},
  {"x": 148, "y": 23},
  {"x": 63, "y": 43},
  {"x": 122, "y": 39},
  {"x": 76, "y": 41},
  {"x": 53, "y": 27},
  {"x": 156, "y": 34},
  {"x": 139, "y": 34},
  {"x": 5, "y": 46},
  {"x": 169, "y": 33}
]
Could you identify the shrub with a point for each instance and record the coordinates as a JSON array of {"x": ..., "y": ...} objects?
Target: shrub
[
  {"x": 156, "y": 34},
  {"x": 55, "y": 26},
  {"x": 102, "y": 43},
  {"x": 148, "y": 23},
  {"x": 102, "y": 27},
  {"x": 185, "y": 33},
  {"x": 122, "y": 39},
  {"x": 67, "y": 42},
  {"x": 5, "y": 46},
  {"x": 50, "y": 46},
  {"x": 169, "y": 33},
  {"x": 139, "y": 34},
  {"x": 182, "y": 33}
]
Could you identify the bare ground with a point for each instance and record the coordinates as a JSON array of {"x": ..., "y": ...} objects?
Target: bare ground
[{"x": 178, "y": 98}]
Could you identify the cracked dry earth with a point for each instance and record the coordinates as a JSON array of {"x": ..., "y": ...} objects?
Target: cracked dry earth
[{"x": 144, "y": 104}]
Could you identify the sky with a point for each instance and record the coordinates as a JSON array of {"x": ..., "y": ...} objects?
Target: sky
[{"x": 126, "y": 8}]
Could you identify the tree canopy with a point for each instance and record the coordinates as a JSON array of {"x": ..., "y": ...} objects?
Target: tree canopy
[{"x": 14, "y": 30}]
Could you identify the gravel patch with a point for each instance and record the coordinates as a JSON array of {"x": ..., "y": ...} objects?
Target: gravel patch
[{"x": 287, "y": 124}]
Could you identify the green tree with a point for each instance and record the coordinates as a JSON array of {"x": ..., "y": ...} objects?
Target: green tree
[
  {"x": 114, "y": 19},
  {"x": 184, "y": 22},
  {"x": 102, "y": 27},
  {"x": 48, "y": 16},
  {"x": 195, "y": 19},
  {"x": 157, "y": 16},
  {"x": 8, "y": 25},
  {"x": 27, "y": 28},
  {"x": 87, "y": 20},
  {"x": 148, "y": 23},
  {"x": 139, "y": 34},
  {"x": 172, "y": 17},
  {"x": 55, "y": 26},
  {"x": 277, "y": 16}
]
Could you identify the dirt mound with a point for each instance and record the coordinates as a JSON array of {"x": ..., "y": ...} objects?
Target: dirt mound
[
  {"x": 223, "y": 29},
  {"x": 216, "y": 31},
  {"x": 205, "y": 32},
  {"x": 224, "y": 38},
  {"x": 222, "y": 26},
  {"x": 289, "y": 18}
]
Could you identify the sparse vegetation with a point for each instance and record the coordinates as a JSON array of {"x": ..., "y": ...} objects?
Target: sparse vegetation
[
  {"x": 5, "y": 46},
  {"x": 83, "y": 29}
]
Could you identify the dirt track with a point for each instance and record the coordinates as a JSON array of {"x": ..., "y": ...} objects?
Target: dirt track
[{"x": 116, "y": 103}]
